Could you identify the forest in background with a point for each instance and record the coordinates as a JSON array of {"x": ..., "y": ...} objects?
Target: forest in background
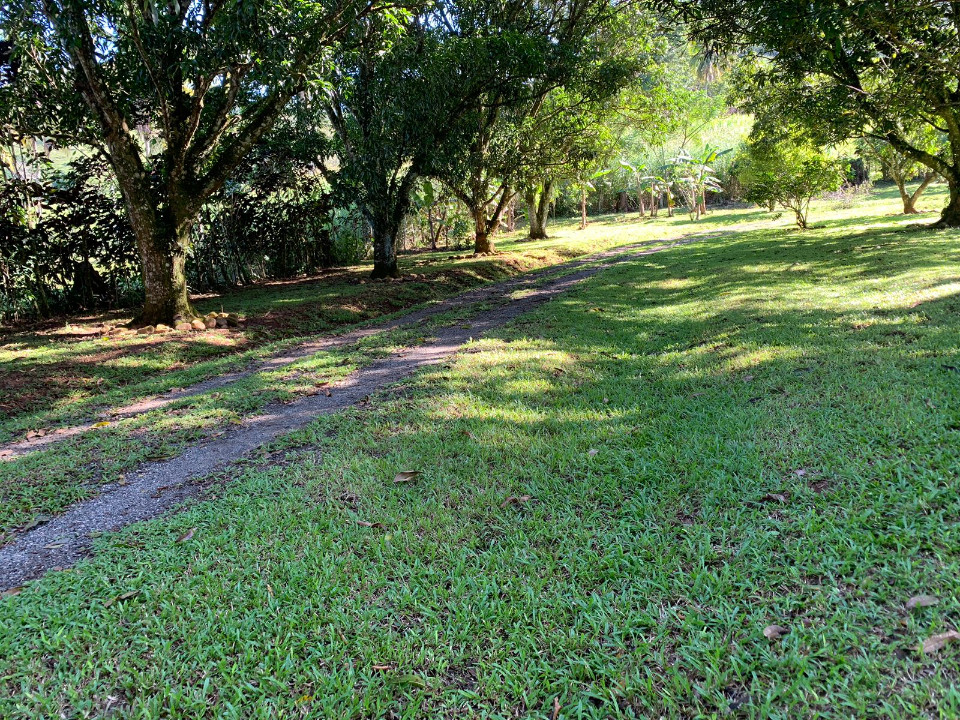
[{"x": 405, "y": 127}]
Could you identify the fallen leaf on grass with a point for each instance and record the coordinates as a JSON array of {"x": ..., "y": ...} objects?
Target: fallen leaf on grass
[
  {"x": 775, "y": 497},
  {"x": 513, "y": 499},
  {"x": 921, "y": 601},
  {"x": 364, "y": 523},
  {"x": 748, "y": 378},
  {"x": 556, "y": 709},
  {"x": 102, "y": 423},
  {"x": 414, "y": 680},
  {"x": 591, "y": 452},
  {"x": 774, "y": 632},
  {"x": 121, "y": 597},
  {"x": 12, "y": 591},
  {"x": 800, "y": 472},
  {"x": 932, "y": 644},
  {"x": 187, "y": 535},
  {"x": 381, "y": 668},
  {"x": 407, "y": 476}
]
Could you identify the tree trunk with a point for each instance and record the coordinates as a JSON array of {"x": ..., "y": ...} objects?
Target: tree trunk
[
  {"x": 583, "y": 207},
  {"x": 536, "y": 231},
  {"x": 482, "y": 242},
  {"x": 538, "y": 207},
  {"x": 910, "y": 201},
  {"x": 163, "y": 254},
  {"x": 384, "y": 251},
  {"x": 950, "y": 217}
]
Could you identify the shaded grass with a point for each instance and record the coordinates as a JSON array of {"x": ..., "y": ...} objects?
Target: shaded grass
[{"x": 760, "y": 429}]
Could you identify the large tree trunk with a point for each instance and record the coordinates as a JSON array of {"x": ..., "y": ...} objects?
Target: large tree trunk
[
  {"x": 384, "y": 249},
  {"x": 538, "y": 207},
  {"x": 161, "y": 227},
  {"x": 950, "y": 217},
  {"x": 482, "y": 242},
  {"x": 536, "y": 231},
  {"x": 484, "y": 227},
  {"x": 164, "y": 281}
]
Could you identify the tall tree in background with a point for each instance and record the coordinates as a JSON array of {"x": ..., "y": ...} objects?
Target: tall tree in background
[
  {"x": 853, "y": 67},
  {"x": 210, "y": 78},
  {"x": 571, "y": 45}
]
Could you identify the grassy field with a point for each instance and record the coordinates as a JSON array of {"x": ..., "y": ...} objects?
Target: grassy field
[
  {"x": 619, "y": 494},
  {"x": 63, "y": 371}
]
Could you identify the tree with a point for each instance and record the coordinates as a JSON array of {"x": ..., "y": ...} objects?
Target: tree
[
  {"x": 386, "y": 108},
  {"x": 790, "y": 170},
  {"x": 902, "y": 168},
  {"x": 566, "y": 47},
  {"x": 210, "y": 78},
  {"x": 870, "y": 68}
]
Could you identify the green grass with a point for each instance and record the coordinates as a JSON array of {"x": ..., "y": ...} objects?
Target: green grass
[
  {"x": 654, "y": 415},
  {"x": 44, "y": 483},
  {"x": 59, "y": 374}
]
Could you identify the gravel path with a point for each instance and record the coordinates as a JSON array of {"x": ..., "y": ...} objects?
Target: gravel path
[
  {"x": 18, "y": 448},
  {"x": 157, "y": 486}
]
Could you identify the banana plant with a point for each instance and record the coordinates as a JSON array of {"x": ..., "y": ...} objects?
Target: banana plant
[
  {"x": 585, "y": 186},
  {"x": 637, "y": 172},
  {"x": 696, "y": 178}
]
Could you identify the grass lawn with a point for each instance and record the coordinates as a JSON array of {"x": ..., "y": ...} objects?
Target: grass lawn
[
  {"x": 63, "y": 371},
  {"x": 619, "y": 493}
]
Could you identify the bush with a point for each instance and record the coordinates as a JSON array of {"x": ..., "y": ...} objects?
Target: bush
[{"x": 789, "y": 171}]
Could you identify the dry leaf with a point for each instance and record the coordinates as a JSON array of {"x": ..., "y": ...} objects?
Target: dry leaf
[
  {"x": 102, "y": 423},
  {"x": 778, "y": 497},
  {"x": 556, "y": 709},
  {"x": 119, "y": 598},
  {"x": 773, "y": 632},
  {"x": 748, "y": 378},
  {"x": 383, "y": 667},
  {"x": 921, "y": 601},
  {"x": 414, "y": 680},
  {"x": 407, "y": 476},
  {"x": 515, "y": 499},
  {"x": 932, "y": 644},
  {"x": 591, "y": 452},
  {"x": 364, "y": 523},
  {"x": 800, "y": 473},
  {"x": 187, "y": 535},
  {"x": 12, "y": 591}
]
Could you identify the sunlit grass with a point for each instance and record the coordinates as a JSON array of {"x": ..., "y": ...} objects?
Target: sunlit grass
[{"x": 708, "y": 449}]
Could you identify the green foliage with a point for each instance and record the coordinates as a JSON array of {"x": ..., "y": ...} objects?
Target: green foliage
[
  {"x": 65, "y": 243},
  {"x": 846, "y": 69},
  {"x": 789, "y": 170}
]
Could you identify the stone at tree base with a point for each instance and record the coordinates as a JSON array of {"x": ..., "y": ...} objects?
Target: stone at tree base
[
  {"x": 184, "y": 326},
  {"x": 221, "y": 322},
  {"x": 198, "y": 325},
  {"x": 210, "y": 323},
  {"x": 161, "y": 328},
  {"x": 145, "y": 330}
]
